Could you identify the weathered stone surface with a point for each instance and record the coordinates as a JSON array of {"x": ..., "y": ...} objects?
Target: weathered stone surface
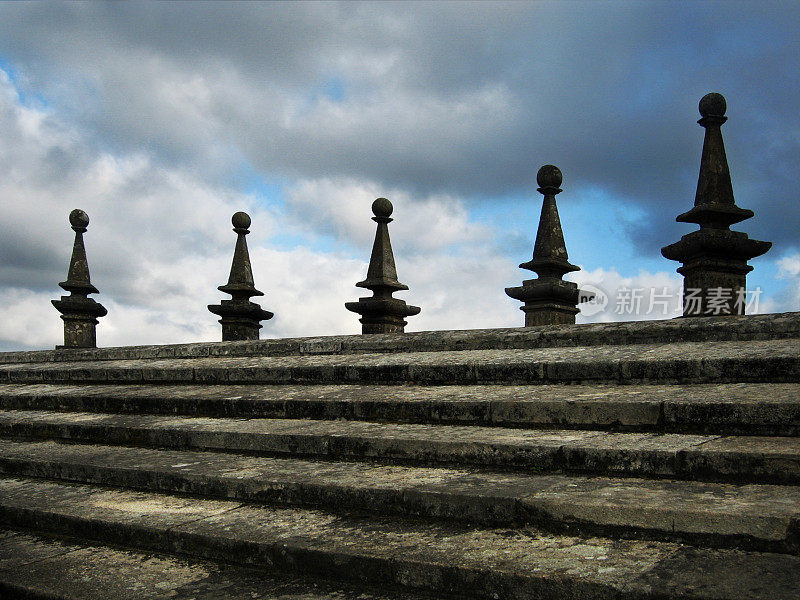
[
  {"x": 750, "y": 516},
  {"x": 555, "y": 434},
  {"x": 18, "y": 549},
  {"x": 482, "y": 563},
  {"x": 700, "y": 329},
  {"x": 732, "y": 408},
  {"x": 36, "y": 567},
  {"x": 690, "y": 362},
  {"x": 708, "y": 575},
  {"x": 768, "y": 459}
]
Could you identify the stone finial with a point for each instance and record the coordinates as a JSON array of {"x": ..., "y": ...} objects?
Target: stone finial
[
  {"x": 78, "y": 311},
  {"x": 549, "y": 300},
  {"x": 381, "y": 313},
  {"x": 241, "y": 318},
  {"x": 714, "y": 257}
]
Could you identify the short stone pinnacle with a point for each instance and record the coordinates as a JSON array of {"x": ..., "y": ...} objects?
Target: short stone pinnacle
[
  {"x": 78, "y": 311},
  {"x": 714, "y": 258},
  {"x": 549, "y": 299},
  {"x": 382, "y": 313},
  {"x": 240, "y": 318}
]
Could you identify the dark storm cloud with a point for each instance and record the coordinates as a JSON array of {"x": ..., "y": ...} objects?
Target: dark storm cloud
[{"x": 442, "y": 97}]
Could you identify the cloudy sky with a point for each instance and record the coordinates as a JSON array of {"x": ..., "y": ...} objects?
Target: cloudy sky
[{"x": 161, "y": 120}]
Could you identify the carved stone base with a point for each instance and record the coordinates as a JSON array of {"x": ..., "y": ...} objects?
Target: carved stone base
[
  {"x": 80, "y": 321},
  {"x": 79, "y": 332},
  {"x": 715, "y": 270},
  {"x": 549, "y": 302},
  {"x": 382, "y": 315},
  {"x": 382, "y": 326},
  {"x": 548, "y": 314},
  {"x": 240, "y": 320},
  {"x": 708, "y": 291}
]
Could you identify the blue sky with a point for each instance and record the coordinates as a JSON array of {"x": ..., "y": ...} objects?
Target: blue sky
[{"x": 161, "y": 120}]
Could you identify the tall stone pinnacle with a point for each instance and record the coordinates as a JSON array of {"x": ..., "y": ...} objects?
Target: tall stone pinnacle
[
  {"x": 382, "y": 313},
  {"x": 714, "y": 258},
  {"x": 78, "y": 311},
  {"x": 549, "y": 299},
  {"x": 241, "y": 318}
]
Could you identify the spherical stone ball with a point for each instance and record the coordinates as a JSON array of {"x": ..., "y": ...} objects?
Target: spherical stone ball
[
  {"x": 549, "y": 176},
  {"x": 78, "y": 218},
  {"x": 241, "y": 220},
  {"x": 713, "y": 105},
  {"x": 382, "y": 207}
]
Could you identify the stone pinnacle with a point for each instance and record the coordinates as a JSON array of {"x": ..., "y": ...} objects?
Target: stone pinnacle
[
  {"x": 78, "y": 311},
  {"x": 549, "y": 299},
  {"x": 240, "y": 318},
  {"x": 382, "y": 313},
  {"x": 714, "y": 258}
]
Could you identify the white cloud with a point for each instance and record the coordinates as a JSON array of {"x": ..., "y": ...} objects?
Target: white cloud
[
  {"x": 159, "y": 243},
  {"x": 645, "y": 296},
  {"x": 789, "y": 266},
  {"x": 30, "y": 321},
  {"x": 148, "y": 110},
  {"x": 461, "y": 291},
  {"x": 342, "y": 208},
  {"x": 788, "y": 299}
]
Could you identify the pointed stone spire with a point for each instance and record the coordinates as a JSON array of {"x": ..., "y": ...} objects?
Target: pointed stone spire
[
  {"x": 78, "y": 311},
  {"x": 549, "y": 300},
  {"x": 714, "y": 258},
  {"x": 241, "y": 318},
  {"x": 381, "y": 313}
]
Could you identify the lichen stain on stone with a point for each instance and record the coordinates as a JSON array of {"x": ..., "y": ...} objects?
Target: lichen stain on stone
[{"x": 144, "y": 507}]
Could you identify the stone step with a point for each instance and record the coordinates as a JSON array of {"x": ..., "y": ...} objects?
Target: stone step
[
  {"x": 690, "y": 362},
  {"x": 754, "y": 517},
  {"x": 466, "y": 561},
  {"x": 37, "y": 567},
  {"x": 747, "y": 459},
  {"x": 702, "y": 329},
  {"x": 737, "y": 408}
]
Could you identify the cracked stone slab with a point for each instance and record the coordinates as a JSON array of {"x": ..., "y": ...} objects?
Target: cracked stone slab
[
  {"x": 735, "y": 575},
  {"x": 750, "y": 516},
  {"x": 19, "y": 549}
]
